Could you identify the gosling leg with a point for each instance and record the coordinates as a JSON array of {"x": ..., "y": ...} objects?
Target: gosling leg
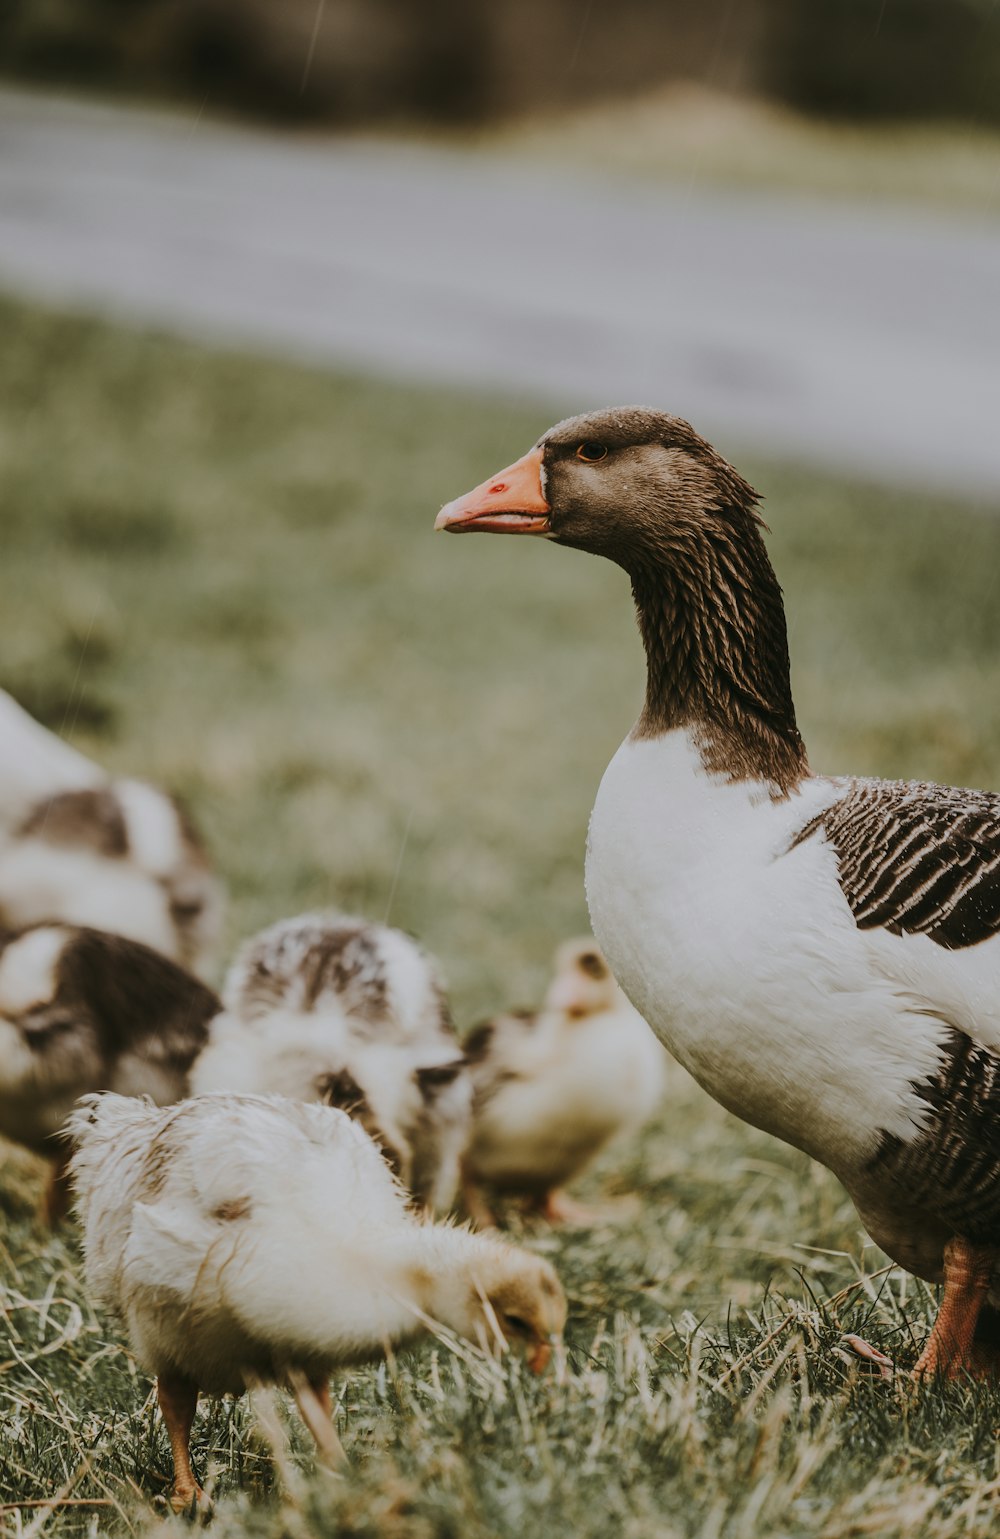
[
  {"x": 58, "y": 1191},
  {"x": 475, "y": 1204},
  {"x": 312, "y": 1396},
  {"x": 178, "y": 1399},
  {"x": 558, "y": 1207}
]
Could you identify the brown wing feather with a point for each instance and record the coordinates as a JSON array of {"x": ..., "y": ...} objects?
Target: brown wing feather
[{"x": 917, "y": 859}]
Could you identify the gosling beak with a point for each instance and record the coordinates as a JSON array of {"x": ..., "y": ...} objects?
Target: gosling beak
[
  {"x": 509, "y": 503},
  {"x": 566, "y": 997},
  {"x": 538, "y": 1359}
]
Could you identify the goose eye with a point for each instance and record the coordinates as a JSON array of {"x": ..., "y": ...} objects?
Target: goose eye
[{"x": 591, "y": 452}]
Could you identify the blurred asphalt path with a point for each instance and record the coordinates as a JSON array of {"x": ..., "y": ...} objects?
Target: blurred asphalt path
[{"x": 863, "y": 339}]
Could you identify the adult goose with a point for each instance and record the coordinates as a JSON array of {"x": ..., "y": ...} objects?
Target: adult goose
[{"x": 822, "y": 954}]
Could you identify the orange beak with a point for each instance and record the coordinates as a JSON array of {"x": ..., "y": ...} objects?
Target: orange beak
[
  {"x": 509, "y": 503},
  {"x": 568, "y": 997},
  {"x": 539, "y": 1359}
]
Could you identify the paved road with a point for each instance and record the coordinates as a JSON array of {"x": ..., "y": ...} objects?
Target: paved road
[{"x": 864, "y": 340}]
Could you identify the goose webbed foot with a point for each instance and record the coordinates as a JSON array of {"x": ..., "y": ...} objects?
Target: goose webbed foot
[
  {"x": 965, "y": 1338},
  {"x": 960, "y": 1341},
  {"x": 878, "y": 1364},
  {"x": 194, "y": 1505}
]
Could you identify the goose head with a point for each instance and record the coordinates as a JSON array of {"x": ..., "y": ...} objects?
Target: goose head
[
  {"x": 644, "y": 490},
  {"x": 626, "y": 483}
]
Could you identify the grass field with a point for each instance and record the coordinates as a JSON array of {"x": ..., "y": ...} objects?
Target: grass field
[{"x": 220, "y": 572}]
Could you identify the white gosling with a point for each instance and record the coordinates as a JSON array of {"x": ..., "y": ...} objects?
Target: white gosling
[
  {"x": 553, "y": 1087},
  {"x": 328, "y": 1007},
  {"x": 117, "y": 855},
  {"x": 83, "y": 1010},
  {"x": 247, "y": 1239},
  {"x": 34, "y": 762}
]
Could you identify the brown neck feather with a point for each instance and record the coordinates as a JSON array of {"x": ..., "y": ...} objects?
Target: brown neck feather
[{"x": 713, "y": 625}]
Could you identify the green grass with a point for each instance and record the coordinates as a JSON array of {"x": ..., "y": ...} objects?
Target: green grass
[
  {"x": 694, "y": 136},
  {"x": 220, "y": 572}
]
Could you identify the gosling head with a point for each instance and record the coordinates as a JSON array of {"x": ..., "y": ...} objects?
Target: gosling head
[
  {"x": 583, "y": 983},
  {"x": 519, "y": 1294}
]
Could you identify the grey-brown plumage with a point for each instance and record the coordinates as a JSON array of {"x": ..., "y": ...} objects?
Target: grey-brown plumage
[
  {"x": 82, "y": 1010},
  {"x": 707, "y": 601},
  {"x": 300, "y": 963},
  {"x": 952, "y": 1168},
  {"x": 917, "y": 859},
  {"x": 88, "y": 819}
]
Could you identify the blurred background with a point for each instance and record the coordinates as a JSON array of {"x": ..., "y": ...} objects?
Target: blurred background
[
  {"x": 278, "y": 278},
  {"x": 470, "y": 61}
]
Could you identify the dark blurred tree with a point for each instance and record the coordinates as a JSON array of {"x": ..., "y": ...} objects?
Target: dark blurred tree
[
  {"x": 367, "y": 60},
  {"x": 342, "y": 59},
  {"x": 887, "y": 58},
  {"x": 372, "y": 59}
]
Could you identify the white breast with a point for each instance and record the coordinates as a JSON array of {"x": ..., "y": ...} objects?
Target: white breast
[{"x": 744, "y": 957}]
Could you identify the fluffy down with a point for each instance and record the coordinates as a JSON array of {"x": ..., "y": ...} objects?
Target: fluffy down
[
  {"x": 81, "y": 1010},
  {"x": 552, "y": 1088},
  {"x": 325, "y": 1007},
  {"x": 247, "y": 1238},
  {"x": 117, "y": 855}
]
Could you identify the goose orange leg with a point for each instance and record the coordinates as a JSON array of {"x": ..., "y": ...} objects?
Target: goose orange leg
[
  {"x": 951, "y": 1348},
  {"x": 954, "y": 1346},
  {"x": 178, "y": 1399}
]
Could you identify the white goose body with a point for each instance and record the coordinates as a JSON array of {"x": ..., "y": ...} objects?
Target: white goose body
[{"x": 744, "y": 957}]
